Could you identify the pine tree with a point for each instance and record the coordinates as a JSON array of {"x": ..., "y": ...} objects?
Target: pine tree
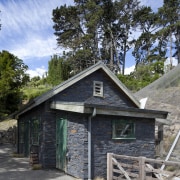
[
  {"x": 95, "y": 30},
  {"x": 169, "y": 20},
  {"x": 58, "y": 70}
]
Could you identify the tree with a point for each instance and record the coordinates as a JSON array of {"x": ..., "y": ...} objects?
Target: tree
[
  {"x": 35, "y": 81},
  {"x": 121, "y": 30},
  {"x": 169, "y": 20},
  {"x": 58, "y": 70},
  {"x": 144, "y": 47},
  {"x": 143, "y": 75},
  {"x": 12, "y": 78},
  {"x": 160, "y": 37},
  {"x": 73, "y": 32},
  {"x": 97, "y": 29},
  {"x": 167, "y": 36}
]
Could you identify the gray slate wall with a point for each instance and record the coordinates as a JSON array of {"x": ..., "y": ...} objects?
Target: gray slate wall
[
  {"x": 48, "y": 143},
  {"x": 47, "y": 134},
  {"x": 102, "y": 143},
  {"x": 82, "y": 91},
  {"x": 77, "y": 145}
]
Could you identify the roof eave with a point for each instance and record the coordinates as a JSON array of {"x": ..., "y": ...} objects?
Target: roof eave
[{"x": 37, "y": 101}]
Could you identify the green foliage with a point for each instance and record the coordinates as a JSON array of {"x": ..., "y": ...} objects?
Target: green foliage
[
  {"x": 144, "y": 20},
  {"x": 58, "y": 70},
  {"x": 30, "y": 92},
  {"x": 94, "y": 26},
  {"x": 169, "y": 19},
  {"x": 142, "y": 76},
  {"x": 103, "y": 30},
  {"x": 160, "y": 36},
  {"x": 12, "y": 78}
]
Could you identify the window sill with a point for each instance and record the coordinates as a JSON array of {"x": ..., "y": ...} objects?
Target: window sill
[{"x": 130, "y": 138}]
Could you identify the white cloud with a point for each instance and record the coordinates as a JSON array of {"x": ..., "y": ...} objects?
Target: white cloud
[
  {"x": 129, "y": 70},
  {"x": 29, "y": 15},
  {"x": 27, "y": 28},
  {"x": 36, "y": 47},
  {"x": 37, "y": 72}
]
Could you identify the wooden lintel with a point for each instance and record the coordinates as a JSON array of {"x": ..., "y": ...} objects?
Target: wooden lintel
[
  {"x": 67, "y": 107},
  {"x": 128, "y": 113},
  {"x": 163, "y": 121},
  {"x": 81, "y": 108}
]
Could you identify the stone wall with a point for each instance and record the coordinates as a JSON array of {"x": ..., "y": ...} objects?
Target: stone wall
[
  {"x": 102, "y": 143},
  {"x": 77, "y": 154},
  {"x": 47, "y": 135},
  {"x": 82, "y": 91},
  {"x": 48, "y": 141},
  {"x": 9, "y": 136}
]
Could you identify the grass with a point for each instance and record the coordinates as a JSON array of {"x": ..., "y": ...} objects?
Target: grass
[
  {"x": 171, "y": 168},
  {"x": 32, "y": 92}
]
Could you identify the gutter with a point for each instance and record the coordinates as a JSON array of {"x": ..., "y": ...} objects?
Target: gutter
[{"x": 89, "y": 142}]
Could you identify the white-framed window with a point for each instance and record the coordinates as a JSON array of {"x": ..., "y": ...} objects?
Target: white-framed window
[
  {"x": 123, "y": 129},
  {"x": 98, "y": 88}
]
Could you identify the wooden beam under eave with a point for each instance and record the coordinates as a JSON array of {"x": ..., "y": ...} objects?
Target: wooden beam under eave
[
  {"x": 81, "y": 108},
  {"x": 163, "y": 121},
  {"x": 68, "y": 107},
  {"x": 129, "y": 113}
]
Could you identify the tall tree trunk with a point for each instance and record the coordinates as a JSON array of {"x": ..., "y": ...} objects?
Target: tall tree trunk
[{"x": 171, "y": 60}]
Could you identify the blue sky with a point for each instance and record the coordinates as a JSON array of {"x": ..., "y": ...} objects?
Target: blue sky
[{"x": 27, "y": 31}]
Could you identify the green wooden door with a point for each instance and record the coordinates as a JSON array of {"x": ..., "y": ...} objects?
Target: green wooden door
[{"x": 61, "y": 135}]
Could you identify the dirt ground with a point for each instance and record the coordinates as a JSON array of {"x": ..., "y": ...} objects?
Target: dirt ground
[{"x": 12, "y": 168}]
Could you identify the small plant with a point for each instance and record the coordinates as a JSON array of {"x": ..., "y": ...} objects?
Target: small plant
[
  {"x": 168, "y": 142},
  {"x": 36, "y": 166},
  {"x": 171, "y": 168},
  {"x": 16, "y": 155},
  {"x": 98, "y": 178}
]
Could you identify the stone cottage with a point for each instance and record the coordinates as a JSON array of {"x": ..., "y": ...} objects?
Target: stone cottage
[{"x": 73, "y": 126}]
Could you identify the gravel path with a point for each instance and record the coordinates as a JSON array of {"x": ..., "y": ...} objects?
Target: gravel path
[{"x": 19, "y": 169}]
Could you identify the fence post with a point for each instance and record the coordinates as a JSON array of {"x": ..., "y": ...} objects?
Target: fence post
[
  {"x": 142, "y": 173},
  {"x": 109, "y": 166}
]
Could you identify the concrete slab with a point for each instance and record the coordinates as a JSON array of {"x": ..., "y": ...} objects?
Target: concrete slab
[{"x": 12, "y": 168}]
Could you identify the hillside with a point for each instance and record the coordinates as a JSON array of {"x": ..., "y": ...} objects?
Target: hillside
[{"x": 164, "y": 94}]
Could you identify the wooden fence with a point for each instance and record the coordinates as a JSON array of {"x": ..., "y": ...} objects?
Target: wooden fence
[{"x": 140, "y": 168}]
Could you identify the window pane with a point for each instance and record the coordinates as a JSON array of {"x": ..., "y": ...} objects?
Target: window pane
[{"x": 123, "y": 129}]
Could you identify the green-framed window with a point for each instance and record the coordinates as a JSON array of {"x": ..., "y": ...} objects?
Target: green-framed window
[
  {"x": 35, "y": 131},
  {"x": 123, "y": 129}
]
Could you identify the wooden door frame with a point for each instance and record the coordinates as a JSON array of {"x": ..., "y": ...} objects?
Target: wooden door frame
[{"x": 64, "y": 134}]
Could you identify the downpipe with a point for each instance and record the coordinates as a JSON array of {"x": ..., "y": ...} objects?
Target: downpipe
[{"x": 89, "y": 142}]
